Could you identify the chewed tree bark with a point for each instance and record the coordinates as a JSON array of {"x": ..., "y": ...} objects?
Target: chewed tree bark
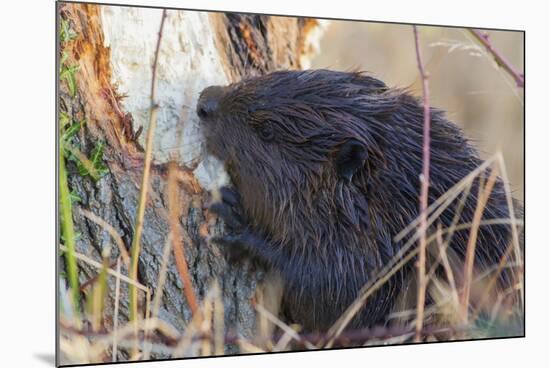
[{"x": 113, "y": 48}]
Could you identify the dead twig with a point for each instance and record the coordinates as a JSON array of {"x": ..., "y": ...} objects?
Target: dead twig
[
  {"x": 136, "y": 241},
  {"x": 425, "y": 183},
  {"x": 174, "y": 210},
  {"x": 500, "y": 59}
]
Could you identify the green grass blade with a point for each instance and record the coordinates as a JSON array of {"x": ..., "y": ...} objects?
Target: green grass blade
[{"x": 67, "y": 230}]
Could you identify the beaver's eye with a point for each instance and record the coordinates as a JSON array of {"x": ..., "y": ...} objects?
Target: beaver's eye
[{"x": 266, "y": 132}]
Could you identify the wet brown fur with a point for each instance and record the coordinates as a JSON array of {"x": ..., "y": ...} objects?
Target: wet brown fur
[{"x": 281, "y": 137}]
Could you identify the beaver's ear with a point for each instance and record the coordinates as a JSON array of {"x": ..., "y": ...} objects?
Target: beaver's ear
[{"x": 350, "y": 158}]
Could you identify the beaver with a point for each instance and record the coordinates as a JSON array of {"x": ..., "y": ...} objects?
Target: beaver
[{"x": 325, "y": 168}]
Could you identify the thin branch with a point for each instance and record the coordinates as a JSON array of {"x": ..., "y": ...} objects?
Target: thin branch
[
  {"x": 174, "y": 210},
  {"x": 425, "y": 183},
  {"x": 500, "y": 59},
  {"x": 138, "y": 226}
]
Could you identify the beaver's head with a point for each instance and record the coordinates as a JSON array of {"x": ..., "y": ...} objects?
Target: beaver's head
[
  {"x": 294, "y": 125},
  {"x": 291, "y": 137}
]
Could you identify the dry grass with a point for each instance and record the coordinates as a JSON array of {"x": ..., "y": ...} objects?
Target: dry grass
[
  {"x": 138, "y": 226},
  {"x": 207, "y": 335}
]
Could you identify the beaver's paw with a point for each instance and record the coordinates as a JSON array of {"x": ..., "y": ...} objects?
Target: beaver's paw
[
  {"x": 234, "y": 250},
  {"x": 241, "y": 245},
  {"x": 228, "y": 208}
]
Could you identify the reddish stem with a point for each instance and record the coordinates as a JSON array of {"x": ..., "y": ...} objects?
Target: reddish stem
[
  {"x": 425, "y": 183},
  {"x": 500, "y": 59}
]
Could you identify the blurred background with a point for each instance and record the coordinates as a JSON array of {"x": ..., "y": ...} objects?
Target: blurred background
[{"x": 464, "y": 80}]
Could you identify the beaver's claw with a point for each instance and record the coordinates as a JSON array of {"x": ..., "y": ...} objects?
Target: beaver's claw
[
  {"x": 229, "y": 209},
  {"x": 235, "y": 250}
]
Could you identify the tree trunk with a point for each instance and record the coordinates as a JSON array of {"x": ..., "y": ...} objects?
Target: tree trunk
[{"x": 113, "y": 48}]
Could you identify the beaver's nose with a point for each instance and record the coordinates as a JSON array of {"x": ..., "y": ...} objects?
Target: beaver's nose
[{"x": 209, "y": 101}]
